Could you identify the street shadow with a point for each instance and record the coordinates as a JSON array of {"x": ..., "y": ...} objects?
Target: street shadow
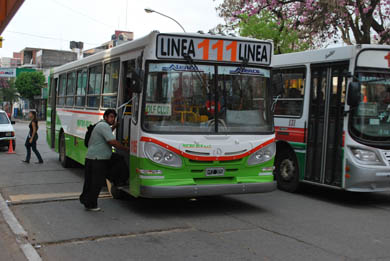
[
  {"x": 346, "y": 198},
  {"x": 184, "y": 207}
]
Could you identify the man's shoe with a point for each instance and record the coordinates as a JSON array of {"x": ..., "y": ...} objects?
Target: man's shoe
[
  {"x": 93, "y": 209},
  {"x": 25, "y": 161},
  {"x": 39, "y": 162}
]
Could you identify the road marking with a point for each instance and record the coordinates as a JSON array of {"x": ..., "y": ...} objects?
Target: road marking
[
  {"x": 21, "y": 234},
  {"x": 21, "y": 198}
]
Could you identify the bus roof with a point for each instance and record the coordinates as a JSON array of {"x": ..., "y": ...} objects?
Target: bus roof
[
  {"x": 324, "y": 55},
  {"x": 142, "y": 43}
]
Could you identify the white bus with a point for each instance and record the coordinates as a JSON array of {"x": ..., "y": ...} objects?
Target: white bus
[
  {"x": 333, "y": 118},
  {"x": 194, "y": 109}
]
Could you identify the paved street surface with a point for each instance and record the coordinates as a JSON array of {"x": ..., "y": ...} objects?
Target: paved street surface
[{"x": 317, "y": 224}]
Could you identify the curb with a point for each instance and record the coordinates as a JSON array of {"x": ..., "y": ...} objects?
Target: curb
[{"x": 21, "y": 234}]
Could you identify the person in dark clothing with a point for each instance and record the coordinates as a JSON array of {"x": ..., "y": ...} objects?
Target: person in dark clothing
[
  {"x": 97, "y": 162},
  {"x": 32, "y": 137}
]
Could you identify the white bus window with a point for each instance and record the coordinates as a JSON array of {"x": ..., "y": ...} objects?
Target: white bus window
[
  {"x": 290, "y": 103},
  {"x": 176, "y": 99},
  {"x": 70, "y": 89},
  {"x": 94, "y": 86},
  {"x": 110, "y": 87},
  {"x": 82, "y": 78},
  {"x": 61, "y": 90},
  {"x": 242, "y": 103}
]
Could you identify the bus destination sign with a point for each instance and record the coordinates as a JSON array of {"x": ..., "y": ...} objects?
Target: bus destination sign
[{"x": 213, "y": 49}]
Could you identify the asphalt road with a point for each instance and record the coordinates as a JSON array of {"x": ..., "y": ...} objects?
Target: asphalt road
[{"x": 316, "y": 224}]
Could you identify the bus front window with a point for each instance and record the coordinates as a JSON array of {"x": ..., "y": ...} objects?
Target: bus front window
[
  {"x": 371, "y": 119},
  {"x": 244, "y": 96},
  {"x": 184, "y": 98},
  {"x": 176, "y": 98}
]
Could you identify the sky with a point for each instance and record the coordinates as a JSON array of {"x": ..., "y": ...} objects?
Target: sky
[{"x": 94, "y": 21}]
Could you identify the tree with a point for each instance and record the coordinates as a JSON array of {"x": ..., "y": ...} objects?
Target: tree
[
  {"x": 29, "y": 84},
  {"x": 10, "y": 94},
  {"x": 318, "y": 21},
  {"x": 266, "y": 26}
]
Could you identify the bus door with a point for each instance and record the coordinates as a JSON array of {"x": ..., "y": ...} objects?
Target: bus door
[
  {"x": 325, "y": 127},
  {"x": 53, "y": 94},
  {"x": 125, "y": 104}
]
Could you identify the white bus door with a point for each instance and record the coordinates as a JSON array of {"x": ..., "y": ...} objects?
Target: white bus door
[{"x": 325, "y": 126}]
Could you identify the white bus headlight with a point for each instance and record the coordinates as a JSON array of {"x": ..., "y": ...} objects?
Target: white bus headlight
[
  {"x": 162, "y": 156},
  {"x": 263, "y": 154},
  {"x": 366, "y": 156}
]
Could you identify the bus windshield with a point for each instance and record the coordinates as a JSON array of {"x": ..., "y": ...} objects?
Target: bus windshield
[
  {"x": 371, "y": 119},
  {"x": 191, "y": 98}
]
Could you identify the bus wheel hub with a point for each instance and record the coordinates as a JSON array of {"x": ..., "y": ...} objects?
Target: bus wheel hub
[{"x": 287, "y": 169}]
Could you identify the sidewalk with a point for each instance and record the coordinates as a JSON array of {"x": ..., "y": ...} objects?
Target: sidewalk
[{"x": 9, "y": 249}]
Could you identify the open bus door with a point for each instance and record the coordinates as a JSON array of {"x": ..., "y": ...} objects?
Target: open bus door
[{"x": 325, "y": 129}]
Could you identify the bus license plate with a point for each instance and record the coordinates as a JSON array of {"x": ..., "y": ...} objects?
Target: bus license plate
[{"x": 214, "y": 172}]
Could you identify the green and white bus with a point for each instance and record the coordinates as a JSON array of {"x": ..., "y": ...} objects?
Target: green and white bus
[
  {"x": 194, "y": 109},
  {"x": 332, "y": 120}
]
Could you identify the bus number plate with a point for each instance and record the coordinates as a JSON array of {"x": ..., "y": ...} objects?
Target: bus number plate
[{"x": 215, "y": 172}]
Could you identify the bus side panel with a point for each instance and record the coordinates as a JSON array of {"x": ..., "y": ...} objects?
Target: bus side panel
[
  {"x": 48, "y": 126},
  {"x": 300, "y": 153},
  {"x": 134, "y": 178},
  {"x": 57, "y": 137},
  {"x": 75, "y": 148}
]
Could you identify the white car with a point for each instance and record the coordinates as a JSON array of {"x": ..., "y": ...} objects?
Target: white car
[{"x": 7, "y": 131}]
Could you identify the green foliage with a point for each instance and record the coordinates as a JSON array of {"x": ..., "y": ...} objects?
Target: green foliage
[
  {"x": 267, "y": 26},
  {"x": 9, "y": 94},
  {"x": 29, "y": 84}
]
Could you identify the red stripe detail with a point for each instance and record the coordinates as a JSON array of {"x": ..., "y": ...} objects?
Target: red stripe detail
[
  {"x": 83, "y": 112},
  {"x": 343, "y": 143},
  {"x": 206, "y": 158},
  {"x": 290, "y": 134}
]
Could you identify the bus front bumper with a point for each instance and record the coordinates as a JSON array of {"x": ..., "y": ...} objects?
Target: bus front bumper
[
  {"x": 205, "y": 190},
  {"x": 367, "y": 178}
]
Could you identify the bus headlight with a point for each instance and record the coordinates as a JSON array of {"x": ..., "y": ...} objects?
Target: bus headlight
[
  {"x": 263, "y": 154},
  {"x": 366, "y": 156},
  {"x": 162, "y": 156}
]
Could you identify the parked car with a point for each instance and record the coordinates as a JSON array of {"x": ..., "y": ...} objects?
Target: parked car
[{"x": 7, "y": 131}]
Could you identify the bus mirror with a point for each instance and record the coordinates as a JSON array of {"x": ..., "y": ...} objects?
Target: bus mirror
[{"x": 354, "y": 94}]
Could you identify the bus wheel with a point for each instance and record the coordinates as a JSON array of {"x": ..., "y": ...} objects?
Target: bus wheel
[
  {"x": 117, "y": 193},
  {"x": 65, "y": 161},
  {"x": 287, "y": 173}
]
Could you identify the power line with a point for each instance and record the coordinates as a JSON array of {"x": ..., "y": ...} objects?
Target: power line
[
  {"x": 84, "y": 15},
  {"x": 45, "y": 37}
]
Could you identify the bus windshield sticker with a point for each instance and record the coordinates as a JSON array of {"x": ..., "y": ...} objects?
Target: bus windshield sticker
[
  {"x": 178, "y": 67},
  {"x": 247, "y": 71},
  {"x": 213, "y": 49},
  {"x": 158, "y": 109}
]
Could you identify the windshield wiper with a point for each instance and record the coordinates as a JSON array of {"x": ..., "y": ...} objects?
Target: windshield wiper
[{"x": 190, "y": 61}]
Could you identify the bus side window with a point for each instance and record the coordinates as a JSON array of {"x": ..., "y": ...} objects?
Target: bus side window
[
  {"x": 82, "y": 79},
  {"x": 94, "y": 86},
  {"x": 290, "y": 103},
  {"x": 70, "y": 89},
  {"x": 61, "y": 90},
  {"x": 110, "y": 84}
]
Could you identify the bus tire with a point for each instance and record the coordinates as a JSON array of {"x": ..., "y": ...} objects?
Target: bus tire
[
  {"x": 65, "y": 161},
  {"x": 287, "y": 171},
  {"x": 117, "y": 193}
]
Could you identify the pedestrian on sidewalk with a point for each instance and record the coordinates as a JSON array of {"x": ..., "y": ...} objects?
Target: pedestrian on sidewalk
[
  {"x": 97, "y": 160},
  {"x": 32, "y": 137}
]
